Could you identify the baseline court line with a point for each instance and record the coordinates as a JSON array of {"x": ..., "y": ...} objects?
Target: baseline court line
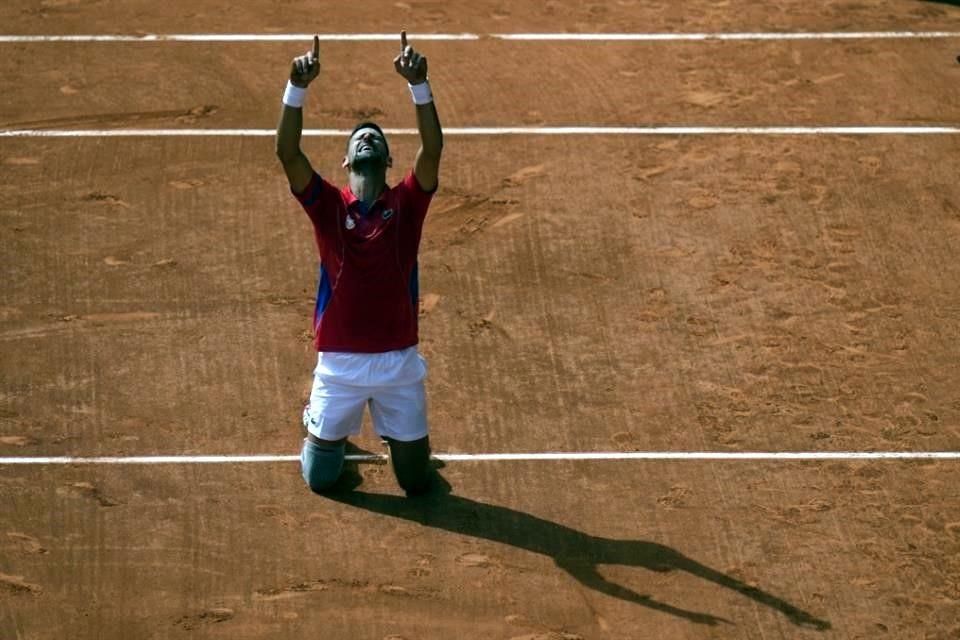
[
  {"x": 504, "y": 457},
  {"x": 497, "y": 131},
  {"x": 375, "y": 37},
  {"x": 235, "y": 37},
  {"x": 770, "y": 35}
]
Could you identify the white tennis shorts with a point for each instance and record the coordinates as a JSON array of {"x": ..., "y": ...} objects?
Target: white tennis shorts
[{"x": 392, "y": 383}]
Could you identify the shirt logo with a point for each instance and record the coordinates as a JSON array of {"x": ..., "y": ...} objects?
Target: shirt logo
[
  {"x": 387, "y": 214},
  {"x": 349, "y": 223}
]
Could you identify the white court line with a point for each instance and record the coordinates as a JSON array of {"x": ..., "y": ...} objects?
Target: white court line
[
  {"x": 236, "y": 37},
  {"x": 496, "y": 131},
  {"x": 769, "y": 35},
  {"x": 375, "y": 37},
  {"x": 505, "y": 457}
]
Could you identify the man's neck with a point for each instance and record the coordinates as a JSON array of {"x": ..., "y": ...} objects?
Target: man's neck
[{"x": 367, "y": 187}]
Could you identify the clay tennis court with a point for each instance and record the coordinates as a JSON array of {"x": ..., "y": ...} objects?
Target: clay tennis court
[{"x": 580, "y": 293}]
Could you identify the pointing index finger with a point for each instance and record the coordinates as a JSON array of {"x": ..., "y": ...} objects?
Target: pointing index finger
[
  {"x": 316, "y": 47},
  {"x": 403, "y": 40}
]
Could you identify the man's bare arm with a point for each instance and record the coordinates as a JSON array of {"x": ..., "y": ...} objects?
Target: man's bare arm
[
  {"x": 427, "y": 165},
  {"x": 413, "y": 66},
  {"x": 303, "y": 71}
]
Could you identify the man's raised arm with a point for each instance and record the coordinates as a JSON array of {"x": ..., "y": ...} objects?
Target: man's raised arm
[
  {"x": 413, "y": 66},
  {"x": 303, "y": 70}
]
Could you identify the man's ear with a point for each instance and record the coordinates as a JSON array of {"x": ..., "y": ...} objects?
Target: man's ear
[
  {"x": 346, "y": 162},
  {"x": 389, "y": 161}
]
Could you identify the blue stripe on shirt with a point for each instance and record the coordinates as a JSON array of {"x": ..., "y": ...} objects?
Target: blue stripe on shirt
[
  {"x": 315, "y": 192},
  {"x": 324, "y": 293},
  {"x": 415, "y": 284}
]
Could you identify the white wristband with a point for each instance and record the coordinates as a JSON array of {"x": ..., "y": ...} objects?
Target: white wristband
[
  {"x": 421, "y": 93},
  {"x": 293, "y": 95}
]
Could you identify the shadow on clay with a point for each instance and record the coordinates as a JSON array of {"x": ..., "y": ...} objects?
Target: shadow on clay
[{"x": 577, "y": 553}]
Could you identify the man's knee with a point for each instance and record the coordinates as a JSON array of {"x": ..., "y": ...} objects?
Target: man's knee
[
  {"x": 321, "y": 463},
  {"x": 411, "y": 464}
]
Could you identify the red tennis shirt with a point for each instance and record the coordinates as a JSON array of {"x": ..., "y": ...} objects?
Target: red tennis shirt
[{"x": 368, "y": 294}]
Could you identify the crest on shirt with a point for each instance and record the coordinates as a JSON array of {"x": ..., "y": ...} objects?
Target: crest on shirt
[
  {"x": 387, "y": 214},
  {"x": 350, "y": 223}
]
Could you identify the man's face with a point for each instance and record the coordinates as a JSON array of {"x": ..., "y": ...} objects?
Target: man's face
[{"x": 367, "y": 146}]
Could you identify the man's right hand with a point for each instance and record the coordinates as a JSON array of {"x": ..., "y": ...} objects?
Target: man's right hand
[{"x": 306, "y": 67}]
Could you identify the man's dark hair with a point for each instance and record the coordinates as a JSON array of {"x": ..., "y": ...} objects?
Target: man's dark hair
[{"x": 369, "y": 125}]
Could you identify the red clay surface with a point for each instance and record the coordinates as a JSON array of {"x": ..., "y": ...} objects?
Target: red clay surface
[{"x": 579, "y": 294}]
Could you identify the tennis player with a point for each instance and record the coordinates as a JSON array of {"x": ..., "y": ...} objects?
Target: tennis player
[{"x": 365, "y": 321}]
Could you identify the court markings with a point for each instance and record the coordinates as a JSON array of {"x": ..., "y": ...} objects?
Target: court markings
[
  {"x": 502, "y": 457},
  {"x": 535, "y": 37},
  {"x": 500, "y": 131},
  {"x": 466, "y": 131}
]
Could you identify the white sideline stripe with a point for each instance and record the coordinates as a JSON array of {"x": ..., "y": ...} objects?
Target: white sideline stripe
[
  {"x": 375, "y": 37},
  {"x": 503, "y": 457},
  {"x": 235, "y": 37},
  {"x": 769, "y": 35},
  {"x": 496, "y": 131}
]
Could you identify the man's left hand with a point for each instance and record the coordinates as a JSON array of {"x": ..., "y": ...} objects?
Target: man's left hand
[{"x": 410, "y": 64}]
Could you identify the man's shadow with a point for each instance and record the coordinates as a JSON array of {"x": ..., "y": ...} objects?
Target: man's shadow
[{"x": 577, "y": 553}]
